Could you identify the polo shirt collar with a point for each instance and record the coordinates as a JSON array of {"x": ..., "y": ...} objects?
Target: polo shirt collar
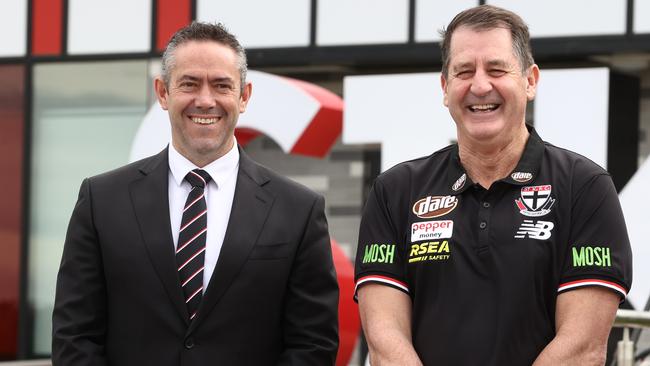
[
  {"x": 220, "y": 170},
  {"x": 525, "y": 172}
]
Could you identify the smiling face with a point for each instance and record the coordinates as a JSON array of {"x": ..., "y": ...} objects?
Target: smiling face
[
  {"x": 204, "y": 99},
  {"x": 485, "y": 90}
]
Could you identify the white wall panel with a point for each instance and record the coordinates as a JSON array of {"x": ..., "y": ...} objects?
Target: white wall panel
[
  {"x": 574, "y": 114},
  {"x": 641, "y": 16},
  {"x": 562, "y": 18},
  {"x": 13, "y": 28},
  {"x": 348, "y": 22},
  {"x": 402, "y": 112},
  {"x": 116, "y": 26},
  {"x": 433, "y": 15},
  {"x": 261, "y": 23}
]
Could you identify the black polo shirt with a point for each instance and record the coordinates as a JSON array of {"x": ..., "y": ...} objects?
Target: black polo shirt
[{"x": 484, "y": 267}]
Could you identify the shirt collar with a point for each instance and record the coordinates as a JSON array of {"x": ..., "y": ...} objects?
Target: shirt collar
[
  {"x": 526, "y": 170},
  {"x": 220, "y": 170}
]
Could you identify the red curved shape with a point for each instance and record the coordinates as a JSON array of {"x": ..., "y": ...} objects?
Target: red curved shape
[
  {"x": 349, "y": 323},
  {"x": 326, "y": 126}
]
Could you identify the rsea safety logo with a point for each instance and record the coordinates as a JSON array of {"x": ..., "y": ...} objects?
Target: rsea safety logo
[
  {"x": 429, "y": 251},
  {"x": 427, "y": 230},
  {"x": 591, "y": 256},
  {"x": 434, "y": 206},
  {"x": 379, "y": 253}
]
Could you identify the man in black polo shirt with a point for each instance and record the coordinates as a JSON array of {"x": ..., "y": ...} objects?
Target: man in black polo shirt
[{"x": 501, "y": 249}]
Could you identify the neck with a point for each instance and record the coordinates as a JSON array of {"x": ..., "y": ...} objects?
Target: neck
[{"x": 487, "y": 163}]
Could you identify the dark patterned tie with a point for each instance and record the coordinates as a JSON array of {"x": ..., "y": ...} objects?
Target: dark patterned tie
[{"x": 190, "y": 251}]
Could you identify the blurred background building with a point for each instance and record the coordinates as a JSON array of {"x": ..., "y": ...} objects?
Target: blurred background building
[{"x": 76, "y": 85}]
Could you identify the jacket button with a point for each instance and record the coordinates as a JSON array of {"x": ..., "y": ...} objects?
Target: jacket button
[{"x": 189, "y": 343}]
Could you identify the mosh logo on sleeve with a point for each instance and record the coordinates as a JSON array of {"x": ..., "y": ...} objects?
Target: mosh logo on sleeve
[
  {"x": 379, "y": 253},
  {"x": 434, "y": 206},
  {"x": 591, "y": 256}
]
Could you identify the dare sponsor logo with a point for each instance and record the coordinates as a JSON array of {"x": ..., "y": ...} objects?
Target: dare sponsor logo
[
  {"x": 429, "y": 251},
  {"x": 460, "y": 182},
  {"x": 427, "y": 230},
  {"x": 591, "y": 256},
  {"x": 379, "y": 253},
  {"x": 434, "y": 206},
  {"x": 521, "y": 177}
]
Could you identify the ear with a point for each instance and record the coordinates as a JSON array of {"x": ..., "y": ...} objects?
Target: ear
[
  {"x": 531, "y": 82},
  {"x": 443, "y": 84},
  {"x": 245, "y": 97},
  {"x": 161, "y": 91}
]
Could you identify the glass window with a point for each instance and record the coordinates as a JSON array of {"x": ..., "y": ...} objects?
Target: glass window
[{"x": 85, "y": 116}]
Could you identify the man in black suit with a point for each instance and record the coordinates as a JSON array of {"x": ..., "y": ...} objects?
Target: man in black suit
[{"x": 247, "y": 279}]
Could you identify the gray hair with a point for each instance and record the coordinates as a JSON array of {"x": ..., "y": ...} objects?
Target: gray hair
[
  {"x": 487, "y": 17},
  {"x": 199, "y": 31}
]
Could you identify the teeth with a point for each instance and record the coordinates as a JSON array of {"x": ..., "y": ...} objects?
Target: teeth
[
  {"x": 483, "y": 107},
  {"x": 204, "y": 121}
]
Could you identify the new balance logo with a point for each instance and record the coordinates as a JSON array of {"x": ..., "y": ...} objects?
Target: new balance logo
[{"x": 540, "y": 230}]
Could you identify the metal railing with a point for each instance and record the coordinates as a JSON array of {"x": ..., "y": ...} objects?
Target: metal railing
[{"x": 628, "y": 319}]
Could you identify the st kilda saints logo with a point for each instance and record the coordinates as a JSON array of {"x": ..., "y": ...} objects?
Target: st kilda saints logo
[
  {"x": 535, "y": 201},
  {"x": 434, "y": 206}
]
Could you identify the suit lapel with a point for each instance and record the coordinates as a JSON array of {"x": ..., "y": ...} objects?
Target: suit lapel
[
  {"x": 251, "y": 206},
  {"x": 150, "y": 198}
]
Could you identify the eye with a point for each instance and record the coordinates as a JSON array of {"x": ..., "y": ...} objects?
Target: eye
[
  {"x": 497, "y": 72},
  {"x": 187, "y": 84},
  {"x": 464, "y": 74}
]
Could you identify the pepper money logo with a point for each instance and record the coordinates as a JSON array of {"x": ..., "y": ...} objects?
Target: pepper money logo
[{"x": 434, "y": 206}]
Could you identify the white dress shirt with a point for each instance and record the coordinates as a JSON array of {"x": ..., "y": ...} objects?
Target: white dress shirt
[{"x": 218, "y": 195}]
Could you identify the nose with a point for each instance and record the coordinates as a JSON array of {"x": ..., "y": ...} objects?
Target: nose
[
  {"x": 481, "y": 83},
  {"x": 205, "y": 99}
]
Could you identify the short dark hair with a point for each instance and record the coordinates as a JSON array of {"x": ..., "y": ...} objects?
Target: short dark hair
[
  {"x": 200, "y": 31},
  {"x": 487, "y": 17}
]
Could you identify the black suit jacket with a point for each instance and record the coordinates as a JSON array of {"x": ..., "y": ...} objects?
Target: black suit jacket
[{"x": 272, "y": 298}]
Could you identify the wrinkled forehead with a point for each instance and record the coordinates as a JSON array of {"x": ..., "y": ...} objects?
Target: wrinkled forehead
[{"x": 493, "y": 45}]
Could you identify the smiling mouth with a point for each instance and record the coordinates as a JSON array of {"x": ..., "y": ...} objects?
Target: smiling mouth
[
  {"x": 483, "y": 107},
  {"x": 205, "y": 120}
]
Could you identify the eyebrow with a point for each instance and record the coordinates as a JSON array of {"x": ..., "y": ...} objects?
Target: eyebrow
[
  {"x": 469, "y": 65},
  {"x": 214, "y": 80},
  {"x": 222, "y": 80}
]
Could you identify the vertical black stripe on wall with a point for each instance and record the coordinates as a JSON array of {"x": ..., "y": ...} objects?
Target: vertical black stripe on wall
[
  {"x": 64, "y": 27},
  {"x": 192, "y": 10},
  {"x": 629, "y": 24},
  {"x": 313, "y": 16},
  {"x": 411, "y": 23},
  {"x": 153, "y": 48},
  {"x": 623, "y": 127}
]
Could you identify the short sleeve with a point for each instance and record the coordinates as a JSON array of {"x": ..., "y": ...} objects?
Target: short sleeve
[
  {"x": 380, "y": 254},
  {"x": 598, "y": 252}
]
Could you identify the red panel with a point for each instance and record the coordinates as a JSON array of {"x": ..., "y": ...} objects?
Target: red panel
[
  {"x": 245, "y": 135},
  {"x": 171, "y": 16},
  {"x": 11, "y": 164},
  {"x": 47, "y": 22},
  {"x": 349, "y": 323}
]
